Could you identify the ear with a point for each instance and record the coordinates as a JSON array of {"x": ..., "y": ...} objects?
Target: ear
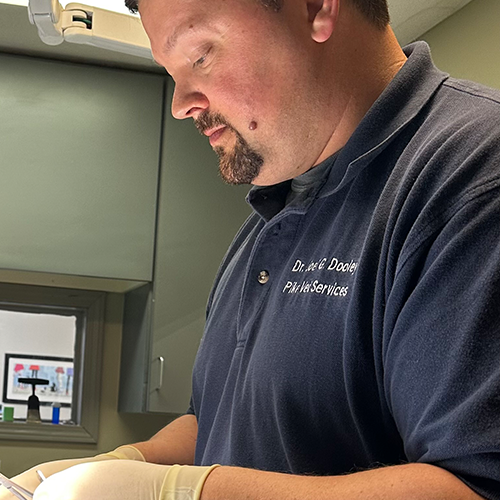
[{"x": 323, "y": 16}]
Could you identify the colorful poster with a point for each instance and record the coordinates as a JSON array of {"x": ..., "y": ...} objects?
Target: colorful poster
[{"x": 58, "y": 371}]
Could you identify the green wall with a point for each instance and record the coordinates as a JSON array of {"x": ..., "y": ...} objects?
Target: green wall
[{"x": 467, "y": 44}]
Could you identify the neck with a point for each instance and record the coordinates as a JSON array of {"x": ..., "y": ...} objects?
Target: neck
[{"x": 362, "y": 60}]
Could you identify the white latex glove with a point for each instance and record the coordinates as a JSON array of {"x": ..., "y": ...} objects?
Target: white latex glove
[
  {"x": 30, "y": 480},
  {"x": 125, "y": 480}
]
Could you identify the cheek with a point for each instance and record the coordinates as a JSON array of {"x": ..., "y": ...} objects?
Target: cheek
[{"x": 245, "y": 98}]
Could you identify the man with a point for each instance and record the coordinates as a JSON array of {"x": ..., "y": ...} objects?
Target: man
[{"x": 352, "y": 342}]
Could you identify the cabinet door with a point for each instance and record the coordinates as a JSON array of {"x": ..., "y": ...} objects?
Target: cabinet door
[
  {"x": 197, "y": 219},
  {"x": 79, "y": 163}
]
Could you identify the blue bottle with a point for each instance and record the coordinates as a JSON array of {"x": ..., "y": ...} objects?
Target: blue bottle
[{"x": 56, "y": 411}]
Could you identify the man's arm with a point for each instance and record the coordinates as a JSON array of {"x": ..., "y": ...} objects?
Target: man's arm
[
  {"x": 174, "y": 444},
  {"x": 402, "y": 482}
]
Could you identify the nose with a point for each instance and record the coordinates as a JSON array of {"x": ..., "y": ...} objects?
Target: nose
[{"x": 188, "y": 103}]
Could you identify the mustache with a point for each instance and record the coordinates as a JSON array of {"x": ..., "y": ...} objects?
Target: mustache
[{"x": 208, "y": 120}]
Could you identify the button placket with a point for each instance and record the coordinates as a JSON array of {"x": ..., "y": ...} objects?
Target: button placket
[
  {"x": 263, "y": 277},
  {"x": 267, "y": 253}
]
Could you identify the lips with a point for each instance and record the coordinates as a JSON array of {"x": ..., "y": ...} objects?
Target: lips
[{"x": 215, "y": 134}]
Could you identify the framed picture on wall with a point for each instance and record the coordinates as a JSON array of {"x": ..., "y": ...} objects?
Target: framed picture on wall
[{"x": 58, "y": 371}]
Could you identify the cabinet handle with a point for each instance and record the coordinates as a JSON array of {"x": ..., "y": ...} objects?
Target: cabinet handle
[{"x": 162, "y": 363}]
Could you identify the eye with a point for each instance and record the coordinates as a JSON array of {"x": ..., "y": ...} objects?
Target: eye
[{"x": 201, "y": 61}]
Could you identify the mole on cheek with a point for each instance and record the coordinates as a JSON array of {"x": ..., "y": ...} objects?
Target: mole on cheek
[{"x": 252, "y": 126}]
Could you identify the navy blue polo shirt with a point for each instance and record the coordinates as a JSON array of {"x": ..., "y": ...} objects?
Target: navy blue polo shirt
[{"x": 360, "y": 325}]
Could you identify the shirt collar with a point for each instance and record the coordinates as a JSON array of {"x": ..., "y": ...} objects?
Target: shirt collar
[
  {"x": 268, "y": 201},
  {"x": 400, "y": 102}
]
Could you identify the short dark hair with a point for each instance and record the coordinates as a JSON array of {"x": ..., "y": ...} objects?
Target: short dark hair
[
  {"x": 132, "y": 6},
  {"x": 275, "y": 5},
  {"x": 376, "y": 11}
]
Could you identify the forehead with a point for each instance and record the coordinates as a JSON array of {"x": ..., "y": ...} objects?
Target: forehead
[
  {"x": 166, "y": 21},
  {"x": 170, "y": 24},
  {"x": 173, "y": 14}
]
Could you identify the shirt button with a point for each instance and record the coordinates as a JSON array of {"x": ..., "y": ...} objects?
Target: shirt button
[{"x": 263, "y": 277}]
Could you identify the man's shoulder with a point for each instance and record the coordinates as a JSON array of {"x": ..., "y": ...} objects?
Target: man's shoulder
[
  {"x": 477, "y": 92},
  {"x": 470, "y": 103},
  {"x": 461, "y": 125}
]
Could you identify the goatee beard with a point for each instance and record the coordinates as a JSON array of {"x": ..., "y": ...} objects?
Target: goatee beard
[{"x": 242, "y": 164}]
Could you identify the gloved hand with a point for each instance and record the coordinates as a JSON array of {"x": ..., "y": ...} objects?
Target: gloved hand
[
  {"x": 125, "y": 480},
  {"x": 30, "y": 480}
]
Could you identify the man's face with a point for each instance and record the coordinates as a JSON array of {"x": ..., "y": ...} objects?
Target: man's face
[{"x": 244, "y": 73}]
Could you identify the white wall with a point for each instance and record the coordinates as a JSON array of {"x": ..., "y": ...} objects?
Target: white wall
[{"x": 35, "y": 334}]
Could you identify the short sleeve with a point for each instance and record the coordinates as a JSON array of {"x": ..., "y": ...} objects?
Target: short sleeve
[
  {"x": 190, "y": 410},
  {"x": 442, "y": 341}
]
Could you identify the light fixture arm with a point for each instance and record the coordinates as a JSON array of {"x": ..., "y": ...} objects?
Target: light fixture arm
[{"x": 83, "y": 24}]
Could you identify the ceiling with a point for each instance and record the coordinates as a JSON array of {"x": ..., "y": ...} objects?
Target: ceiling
[{"x": 410, "y": 19}]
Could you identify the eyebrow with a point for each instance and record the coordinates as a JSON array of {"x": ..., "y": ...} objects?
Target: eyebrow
[
  {"x": 174, "y": 37},
  {"x": 186, "y": 29},
  {"x": 180, "y": 31}
]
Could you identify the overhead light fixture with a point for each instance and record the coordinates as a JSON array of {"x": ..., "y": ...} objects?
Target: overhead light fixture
[
  {"x": 106, "y": 24},
  {"x": 112, "y": 5},
  {"x": 89, "y": 25}
]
